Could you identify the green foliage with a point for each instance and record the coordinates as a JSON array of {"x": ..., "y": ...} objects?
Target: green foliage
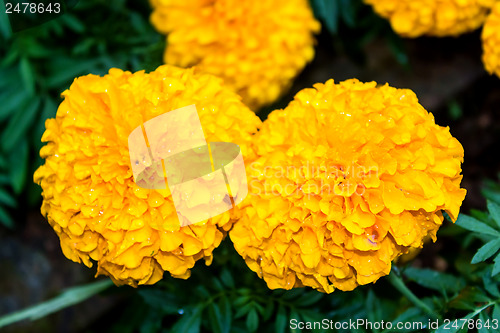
[
  {"x": 38, "y": 64},
  {"x": 353, "y": 24}
]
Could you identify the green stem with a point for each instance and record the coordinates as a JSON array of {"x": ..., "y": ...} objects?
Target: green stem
[
  {"x": 398, "y": 283},
  {"x": 69, "y": 297}
]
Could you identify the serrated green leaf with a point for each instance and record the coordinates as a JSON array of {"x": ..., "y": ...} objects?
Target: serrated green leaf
[
  {"x": 472, "y": 224},
  {"x": 486, "y": 251},
  {"x": 252, "y": 321},
  {"x": 5, "y": 219},
  {"x": 281, "y": 320},
  {"x": 69, "y": 297},
  {"x": 494, "y": 210},
  {"x": 434, "y": 280}
]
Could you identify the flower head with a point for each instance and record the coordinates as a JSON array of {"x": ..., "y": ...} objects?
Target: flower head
[
  {"x": 257, "y": 47},
  {"x": 89, "y": 194},
  {"x": 413, "y": 18},
  {"x": 344, "y": 179},
  {"x": 491, "y": 41}
]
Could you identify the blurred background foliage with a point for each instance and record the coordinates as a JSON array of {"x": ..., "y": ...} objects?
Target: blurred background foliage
[{"x": 38, "y": 64}]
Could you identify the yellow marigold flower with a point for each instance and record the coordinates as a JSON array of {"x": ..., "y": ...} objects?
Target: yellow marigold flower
[
  {"x": 413, "y": 18},
  {"x": 345, "y": 179},
  {"x": 491, "y": 41},
  {"x": 89, "y": 194},
  {"x": 257, "y": 47}
]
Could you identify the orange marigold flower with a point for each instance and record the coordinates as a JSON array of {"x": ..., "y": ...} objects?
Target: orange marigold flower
[
  {"x": 344, "y": 179},
  {"x": 257, "y": 47},
  {"x": 413, "y": 18},
  {"x": 89, "y": 194},
  {"x": 491, "y": 41}
]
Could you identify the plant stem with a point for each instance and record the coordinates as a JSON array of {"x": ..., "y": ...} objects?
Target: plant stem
[{"x": 398, "y": 283}]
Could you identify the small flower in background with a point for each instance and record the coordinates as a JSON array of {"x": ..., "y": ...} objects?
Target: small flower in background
[
  {"x": 491, "y": 41},
  {"x": 345, "y": 179},
  {"x": 257, "y": 47},
  {"x": 89, "y": 194},
  {"x": 413, "y": 18}
]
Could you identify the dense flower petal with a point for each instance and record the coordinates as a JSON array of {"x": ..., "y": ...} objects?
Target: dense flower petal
[
  {"x": 257, "y": 47},
  {"x": 413, "y": 18},
  {"x": 345, "y": 179},
  {"x": 491, "y": 41},
  {"x": 89, "y": 194}
]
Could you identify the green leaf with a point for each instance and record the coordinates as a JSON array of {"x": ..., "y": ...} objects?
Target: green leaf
[
  {"x": 309, "y": 298},
  {"x": 164, "y": 301},
  {"x": 491, "y": 191},
  {"x": 18, "y": 167},
  {"x": 494, "y": 210},
  {"x": 19, "y": 125},
  {"x": 151, "y": 321},
  {"x": 5, "y": 219},
  {"x": 73, "y": 23},
  {"x": 227, "y": 314},
  {"x": 68, "y": 298},
  {"x": 409, "y": 315},
  {"x": 5, "y": 29},
  {"x": 268, "y": 311},
  {"x": 243, "y": 310},
  {"x": 215, "y": 318},
  {"x": 434, "y": 280},
  {"x": 281, "y": 320},
  {"x": 190, "y": 321},
  {"x": 13, "y": 100},
  {"x": 472, "y": 224},
  {"x": 468, "y": 298},
  {"x": 486, "y": 251},
  {"x": 496, "y": 312},
  {"x": 252, "y": 321},
  {"x": 348, "y": 12},
  {"x": 490, "y": 285},
  {"x": 292, "y": 294},
  {"x": 6, "y": 199},
  {"x": 227, "y": 278},
  {"x": 328, "y": 12},
  {"x": 496, "y": 266},
  {"x": 27, "y": 74}
]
